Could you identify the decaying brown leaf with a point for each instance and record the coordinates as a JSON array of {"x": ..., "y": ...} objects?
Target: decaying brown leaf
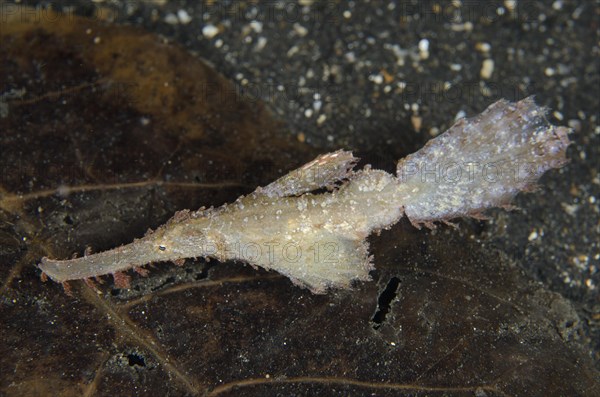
[{"x": 86, "y": 168}]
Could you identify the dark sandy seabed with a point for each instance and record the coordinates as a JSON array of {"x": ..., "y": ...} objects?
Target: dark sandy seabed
[{"x": 107, "y": 130}]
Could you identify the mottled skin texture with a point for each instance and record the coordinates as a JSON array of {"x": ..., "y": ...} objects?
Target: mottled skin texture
[
  {"x": 482, "y": 162},
  {"x": 319, "y": 240}
]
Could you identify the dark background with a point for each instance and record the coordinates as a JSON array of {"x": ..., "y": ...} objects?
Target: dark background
[
  {"x": 355, "y": 75},
  {"x": 544, "y": 48}
]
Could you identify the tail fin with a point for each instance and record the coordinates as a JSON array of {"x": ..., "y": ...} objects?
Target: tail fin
[{"x": 481, "y": 162}]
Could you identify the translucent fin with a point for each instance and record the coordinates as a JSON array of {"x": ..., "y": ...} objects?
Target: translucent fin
[
  {"x": 481, "y": 162},
  {"x": 323, "y": 261},
  {"x": 322, "y": 172}
]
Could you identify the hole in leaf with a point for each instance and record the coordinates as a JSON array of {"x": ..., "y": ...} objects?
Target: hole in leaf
[
  {"x": 136, "y": 359},
  {"x": 383, "y": 302}
]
